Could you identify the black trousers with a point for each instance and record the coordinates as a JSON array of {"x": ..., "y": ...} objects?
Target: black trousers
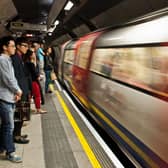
[{"x": 17, "y": 128}]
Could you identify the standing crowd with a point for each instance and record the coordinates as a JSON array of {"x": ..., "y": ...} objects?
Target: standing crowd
[{"x": 25, "y": 69}]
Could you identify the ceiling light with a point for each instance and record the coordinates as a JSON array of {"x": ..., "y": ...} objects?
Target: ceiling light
[
  {"x": 29, "y": 35},
  {"x": 49, "y": 34},
  {"x": 69, "y": 5},
  {"x": 51, "y": 29},
  {"x": 56, "y": 22}
]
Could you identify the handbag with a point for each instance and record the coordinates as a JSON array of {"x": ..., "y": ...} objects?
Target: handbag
[{"x": 22, "y": 111}]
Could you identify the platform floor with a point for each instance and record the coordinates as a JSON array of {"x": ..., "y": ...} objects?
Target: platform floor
[
  {"x": 32, "y": 153},
  {"x": 59, "y": 139}
]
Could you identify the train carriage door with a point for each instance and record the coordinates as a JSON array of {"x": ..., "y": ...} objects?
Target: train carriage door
[
  {"x": 82, "y": 63},
  {"x": 60, "y": 61},
  {"x": 68, "y": 62}
]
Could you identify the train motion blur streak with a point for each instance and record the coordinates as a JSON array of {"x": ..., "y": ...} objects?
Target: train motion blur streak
[{"x": 121, "y": 76}]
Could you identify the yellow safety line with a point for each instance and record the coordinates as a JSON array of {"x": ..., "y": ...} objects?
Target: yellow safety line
[
  {"x": 95, "y": 163},
  {"x": 84, "y": 102},
  {"x": 123, "y": 136},
  {"x": 126, "y": 139}
]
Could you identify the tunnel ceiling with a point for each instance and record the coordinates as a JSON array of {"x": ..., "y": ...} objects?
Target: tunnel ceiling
[
  {"x": 33, "y": 11},
  {"x": 37, "y": 12},
  {"x": 85, "y": 16},
  {"x": 82, "y": 14}
]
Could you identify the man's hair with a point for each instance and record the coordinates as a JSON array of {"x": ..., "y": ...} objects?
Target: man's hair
[
  {"x": 21, "y": 40},
  {"x": 4, "y": 41}
]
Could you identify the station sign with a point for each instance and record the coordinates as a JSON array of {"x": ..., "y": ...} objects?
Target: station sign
[{"x": 27, "y": 26}]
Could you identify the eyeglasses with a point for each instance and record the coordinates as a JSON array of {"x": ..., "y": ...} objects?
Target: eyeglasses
[
  {"x": 13, "y": 46},
  {"x": 25, "y": 45}
]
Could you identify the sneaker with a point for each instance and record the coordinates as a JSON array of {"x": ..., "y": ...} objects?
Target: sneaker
[{"x": 14, "y": 158}]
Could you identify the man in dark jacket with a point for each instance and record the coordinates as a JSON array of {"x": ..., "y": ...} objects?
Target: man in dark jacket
[{"x": 23, "y": 77}]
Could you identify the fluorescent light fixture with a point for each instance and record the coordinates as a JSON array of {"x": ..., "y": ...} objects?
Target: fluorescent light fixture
[
  {"x": 52, "y": 28},
  {"x": 56, "y": 22},
  {"x": 29, "y": 35},
  {"x": 49, "y": 34},
  {"x": 69, "y": 5}
]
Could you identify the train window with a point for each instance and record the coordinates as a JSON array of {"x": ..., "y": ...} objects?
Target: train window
[
  {"x": 160, "y": 69},
  {"x": 69, "y": 56},
  {"x": 83, "y": 52},
  {"x": 144, "y": 67},
  {"x": 134, "y": 66},
  {"x": 103, "y": 61},
  {"x": 131, "y": 65},
  {"x": 68, "y": 62}
]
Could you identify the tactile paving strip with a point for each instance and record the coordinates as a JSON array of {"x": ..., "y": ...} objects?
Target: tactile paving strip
[{"x": 57, "y": 151}]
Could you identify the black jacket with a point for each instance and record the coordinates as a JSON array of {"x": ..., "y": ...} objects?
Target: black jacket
[
  {"x": 48, "y": 66},
  {"x": 22, "y": 75}
]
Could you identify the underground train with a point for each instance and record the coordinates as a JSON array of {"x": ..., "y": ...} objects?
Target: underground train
[{"x": 120, "y": 75}]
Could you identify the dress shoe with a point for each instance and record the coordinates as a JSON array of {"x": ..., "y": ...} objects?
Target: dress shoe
[
  {"x": 2, "y": 154},
  {"x": 21, "y": 140},
  {"x": 2, "y": 150},
  {"x": 24, "y": 136}
]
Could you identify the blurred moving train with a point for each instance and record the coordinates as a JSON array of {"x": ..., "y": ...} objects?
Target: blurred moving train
[{"x": 120, "y": 74}]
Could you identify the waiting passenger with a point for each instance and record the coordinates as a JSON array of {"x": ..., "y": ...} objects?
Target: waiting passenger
[
  {"x": 30, "y": 61},
  {"x": 22, "y": 75},
  {"x": 48, "y": 67},
  {"x": 40, "y": 57},
  {"x": 10, "y": 93},
  {"x": 40, "y": 61}
]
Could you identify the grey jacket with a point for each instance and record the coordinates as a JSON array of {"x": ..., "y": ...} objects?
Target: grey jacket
[{"x": 8, "y": 82}]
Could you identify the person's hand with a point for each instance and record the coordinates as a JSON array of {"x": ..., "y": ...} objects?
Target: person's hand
[
  {"x": 19, "y": 93},
  {"x": 29, "y": 97},
  {"x": 38, "y": 78},
  {"x": 17, "y": 98}
]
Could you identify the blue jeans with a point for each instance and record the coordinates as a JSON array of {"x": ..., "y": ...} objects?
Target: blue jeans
[
  {"x": 48, "y": 80},
  {"x": 7, "y": 126}
]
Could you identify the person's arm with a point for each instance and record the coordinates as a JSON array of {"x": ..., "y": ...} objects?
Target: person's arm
[
  {"x": 41, "y": 51},
  {"x": 16, "y": 64},
  {"x": 8, "y": 77}
]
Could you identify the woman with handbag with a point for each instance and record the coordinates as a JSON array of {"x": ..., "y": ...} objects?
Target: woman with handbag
[{"x": 30, "y": 60}]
